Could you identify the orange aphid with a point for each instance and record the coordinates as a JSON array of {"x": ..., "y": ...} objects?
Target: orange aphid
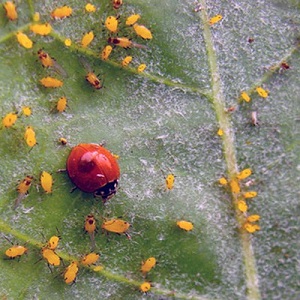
[
  {"x": 61, "y": 12},
  {"x": 51, "y": 82},
  {"x": 11, "y": 11},
  {"x": 24, "y": 40},
  {"x": 41, "y": 29}
]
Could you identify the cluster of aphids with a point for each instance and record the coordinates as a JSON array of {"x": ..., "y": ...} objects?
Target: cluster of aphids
[
  {"x": 48, "y": 251},
  {"x": 111, "y": 24}
]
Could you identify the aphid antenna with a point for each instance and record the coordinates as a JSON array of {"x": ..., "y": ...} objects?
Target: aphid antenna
[{"x": 7, "y": 239}]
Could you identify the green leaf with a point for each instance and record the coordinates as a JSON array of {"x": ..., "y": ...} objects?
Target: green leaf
[{"x": 163, "y": 120}]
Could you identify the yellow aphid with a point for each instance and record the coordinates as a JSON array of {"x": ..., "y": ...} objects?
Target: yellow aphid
[
  {"x": 90, "y": 8},
  {"x": 61, "y": 12},
  {"x": 116, "y": 226},
  {"x": 148, "y": 265},
  {"x": 53, "y": 242},
  {"x": 250, "y": 194},
  {"x": 242, "y": 206},
  {"x": 244, "y": 174},
  {"x": 261, "y": 92},
  {"x": 245, "y": 97},
  {"x": 68, "y": 42},
  {"x": 22, "y": 189},
  {"x": 24, "y": 185},
  {"x": 106, "y": 52},
  {"x": 29, "y": 136},
  {"x": 235, "y": 187},
  {"x": 26, "y": 110},
  {"x": 220, "y": 132},
  {"x": 97, "y": 268},
  {"x": 41, "y": 29},
  {"x": 141, "y": 68},
  {"x": 93, "y": 80},
  {"x": 142, "y": 31},
  {"x": 253, "y": 218},
  {"x": 116, "y": 156},
  {"x": 71, "y": 273},
  {"x": 111, "y": 23},
  {"x": 50, "y": 256},
  {"x": 90, "y": 259},
  {"x": 90, "y": 224},
  {"x": 145, "y": 287},
  {"x": 215, "y": 19},
  {"x": 185, "y": 225},
  {"x": 51, "y": 82},
  {"x": 9, "y": 119},
  {"x": 126, "y": 61},
  {"x": 87, "y": 39},
  {"x": 132, "y": 19},
  {"x": 170, "y": 180},
  {"x": 45, "y": 59},
  {"x": 15, "y": 251},
  {"x": 223, "y": 181},
  {"x": 251, "y": 228},
  {"x": 24, "y": 40},
  {"x": 61, "y": 104},
  {"x": 122, "y": 42},
  {"x": 46, "y": 182},
  {"x": 117, "y": 3},
  {"x": 63, "y": 141},
  {"x": 11, "y": 11},
  {"x": 36, "y": 17}
]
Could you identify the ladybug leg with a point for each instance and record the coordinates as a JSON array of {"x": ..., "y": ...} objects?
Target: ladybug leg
[
  {"x": 73, "y": 189},
  {"x": 61, "y": 170}
]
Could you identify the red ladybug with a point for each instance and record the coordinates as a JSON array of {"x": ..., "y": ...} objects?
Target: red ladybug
[{"x": 93, "y": 169}]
